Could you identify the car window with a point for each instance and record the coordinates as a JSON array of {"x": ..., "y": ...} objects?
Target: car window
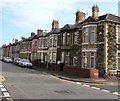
[{"x": 24, "y": 60}]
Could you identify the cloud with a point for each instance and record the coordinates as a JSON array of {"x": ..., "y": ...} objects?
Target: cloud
[
  {"x": 39, "y": 13},
  {"x": 29, "y": 13}
]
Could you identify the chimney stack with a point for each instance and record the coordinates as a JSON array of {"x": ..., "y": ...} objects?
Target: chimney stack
[
  {"x": 95, "y": 11},
  {"x": 55, "y": 24},
  {"x": 16, "y": 40},
  {"x": 32, "y": 34},
  {"x": 80, "y": 16},
  {"x": 23, "y": 38},
  {"x": 9, "y": 43},
  {"x": 39, "y": 31}
]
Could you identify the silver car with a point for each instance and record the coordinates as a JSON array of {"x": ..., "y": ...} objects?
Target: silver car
[
  {"x": 25, "y": 63},
  {"x": 8, "y": 59}
]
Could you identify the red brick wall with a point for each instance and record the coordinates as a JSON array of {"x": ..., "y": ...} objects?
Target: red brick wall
[
  {"x": 94, "y": 73},
  {"x": 82, "y": 72},
  {"x": 53, "y": 67}
]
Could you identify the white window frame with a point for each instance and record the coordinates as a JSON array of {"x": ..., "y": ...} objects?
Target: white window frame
[
  {"x": 118, "y": 61},
  {"x": 50, "y": 57},
  {"x": 51, "y": 41},
  {"x": 118, "y": 33},
  {"x": 46, "y": 58},
  {"x": 54, "y": 57},
  {"x": 85, "y": 35},
  {"x": 74, "y": 60},
  {"x": 64, "y": 39},
  {"x": 75, "y": 37},
  {"x": 67, "y": 57},
  {"x": 84, "y": 56},
  {"x": 68, "y": 38},
  {"x": 93, "y": 32},
  {"x": 55, "y": 40},
  {"x": 91, "y": 60}
]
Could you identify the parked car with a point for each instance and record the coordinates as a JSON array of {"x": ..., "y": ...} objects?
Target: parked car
[
  {"x": 8, "y": 59},
  {"x": 25, "y": 63},
  {"x": 16, "y": 61},
  {"x": 1, "y": 57},
  {"x": 4, "y": 59}
]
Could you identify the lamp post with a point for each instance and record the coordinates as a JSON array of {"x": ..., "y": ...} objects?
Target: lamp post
[{"x": 47, "y": 64}]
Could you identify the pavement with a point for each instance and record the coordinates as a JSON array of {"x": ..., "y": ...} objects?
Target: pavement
[{"x": 72, "y": 78}]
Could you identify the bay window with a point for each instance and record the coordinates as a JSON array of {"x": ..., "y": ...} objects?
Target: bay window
[
  {"x": 50, "y": 41},
  {"x": 67, "y": 58},
  {"x": 119, "y": 34},
  {"x": 55, "y": 41},
  {"x": 118, "y": 61},
  {"x": 84, "y": 64},
  {"x": 85, "y": 35},
  {"x": 92, "y": 35},
  {"x": 64, "y": 38},
  {"x": 75, "y": 37},
  {"x": 92, "y": 60},
  {"x": 54, "y": 57},
  {"x": 68, "y": 39}
]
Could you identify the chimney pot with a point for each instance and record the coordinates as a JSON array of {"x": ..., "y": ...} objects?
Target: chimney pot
[
  {"x": 16, "y": 40},
  {"x": 95, "y": 11},
  {"x": 32, "y": 34},
  {"x": 39, "y": 31},
  {"x": 23, "y": 38}
]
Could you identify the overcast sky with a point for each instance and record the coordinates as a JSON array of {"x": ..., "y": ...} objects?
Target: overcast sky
[{"x": 21, "y": 17}]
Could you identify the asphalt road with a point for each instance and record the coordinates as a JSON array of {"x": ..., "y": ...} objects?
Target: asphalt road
[{"x": 23, "y": 83}]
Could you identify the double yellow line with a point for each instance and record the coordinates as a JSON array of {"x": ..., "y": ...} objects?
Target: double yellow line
[{"x": 82, "y": 82}]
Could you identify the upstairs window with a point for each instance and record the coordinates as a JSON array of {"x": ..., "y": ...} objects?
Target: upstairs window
[
  {"x": 55, "y": 41},
  {"x": 119, "y": 33},
  {"x": 68, "y": 39},
  {"x": 75, "y": 37},
  {"x": 92, "y": 35},
  {"x": 42, "y": 41},
  {"x": 64, "y": 34},
  {"x": 85, "y": 35},
  {"x": 50, "y": 41}
]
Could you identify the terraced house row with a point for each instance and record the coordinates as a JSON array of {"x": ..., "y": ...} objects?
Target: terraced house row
[{"x": 88, "y": 48}]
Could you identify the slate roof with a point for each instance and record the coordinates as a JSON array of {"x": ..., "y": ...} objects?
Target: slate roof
[
  {"x": 67, "y": 27},
  {"x": 109, "y": 17},
  {"x": 55, "y": 31},
  {"x": 106, "y": 17}
]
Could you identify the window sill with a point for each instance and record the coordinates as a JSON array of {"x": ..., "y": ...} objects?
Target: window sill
[{"x": 85, "y": 43}]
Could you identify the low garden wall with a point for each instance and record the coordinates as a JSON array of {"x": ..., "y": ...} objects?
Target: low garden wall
[
  {"x": 82, "y": 72},
  {"x": 74, "y": 70}
]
